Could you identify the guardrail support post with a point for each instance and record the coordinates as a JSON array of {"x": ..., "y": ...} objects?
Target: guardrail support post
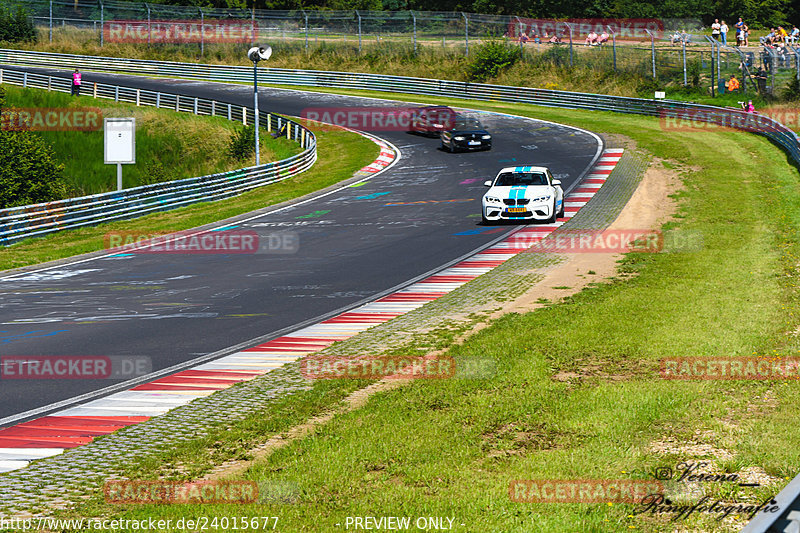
[
  {"x": 177, "y": 102},
  {"x": 213, "y": 102},
  {"x": 138, "y": 97},
  {"x": 25, "y": 80},
  {"x": 229, "y": 112},
  {"x": 116, "y": 93},
  {"x": 195, "y": 105},
  {"x": 94, "y": 90},
  {"x": 244, "y": 115},
  {"x": 466, "y": 33},
  {"x": 269, "y": 123},
  {"x": 102, "y": 22},
  {"x": 1, "y": 75},
  {"x": 158, "y": 100},
  {"x": 51, "y": 21},
  {"x": 49, "y": 82}
]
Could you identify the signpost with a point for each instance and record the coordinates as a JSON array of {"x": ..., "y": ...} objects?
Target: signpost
[{"x": 119, "y": 144}]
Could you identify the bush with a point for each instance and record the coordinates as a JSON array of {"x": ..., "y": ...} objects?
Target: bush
[
  {"x": 490, "y": 59},
  {"x": 792, "y": 91},
  {"x": 242, "y": 143},
  {"x": 29, "y": 172},
  {"x": 16, "y": 26}
]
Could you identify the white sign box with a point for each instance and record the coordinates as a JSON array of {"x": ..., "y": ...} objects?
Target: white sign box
[{"x": 119, "y": 140}]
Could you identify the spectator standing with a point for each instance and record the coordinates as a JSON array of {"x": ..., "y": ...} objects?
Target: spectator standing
[
  {"x": 746, "y": 34},
  {"x": 76, "y": 83},
  {"x": 723, "y": 33},
  {"x": 715, "y": 30}
]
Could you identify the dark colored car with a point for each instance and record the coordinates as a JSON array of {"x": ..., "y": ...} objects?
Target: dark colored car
[
  {"x": 467, "y": 133},
  {"x": 432, "y": 120}
]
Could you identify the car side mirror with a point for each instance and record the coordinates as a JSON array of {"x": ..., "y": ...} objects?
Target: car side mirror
[
  {"x": 487, "y": 183},
  {"x": 556, "y": 182}
]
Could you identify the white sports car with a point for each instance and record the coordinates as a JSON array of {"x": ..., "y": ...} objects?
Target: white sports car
[{"x": 523, "y": 193}]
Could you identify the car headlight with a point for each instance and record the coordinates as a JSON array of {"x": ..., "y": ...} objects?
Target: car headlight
[
  {"x": 541, "y": 199},
  {"x": 458, "y": 138},
  {"x": 492, "y": 199},
  {"x": 486, "y": 137}
]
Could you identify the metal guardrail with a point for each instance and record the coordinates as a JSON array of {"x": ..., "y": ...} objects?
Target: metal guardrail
[
  {"x": 18, "y": 223},
  {"x": 667, "y": 109}
]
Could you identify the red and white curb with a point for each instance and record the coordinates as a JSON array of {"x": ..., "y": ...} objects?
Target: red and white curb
[{"x": 51, "y": 435}]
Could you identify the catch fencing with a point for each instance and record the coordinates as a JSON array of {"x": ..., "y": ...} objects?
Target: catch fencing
[{"x": 18, "y": 223}]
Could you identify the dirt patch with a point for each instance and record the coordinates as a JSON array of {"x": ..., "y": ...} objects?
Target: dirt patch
[{"x": 649, "y": 208}]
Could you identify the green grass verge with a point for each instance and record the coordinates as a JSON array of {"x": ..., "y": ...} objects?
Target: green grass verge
[
  {"x": 451, "y": 447},
  {"x": 340, "y": 155},
  {"x": 169, "y": 145}
]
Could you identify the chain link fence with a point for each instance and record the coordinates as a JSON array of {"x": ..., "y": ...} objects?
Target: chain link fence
[{"x": 675, "y": 51}]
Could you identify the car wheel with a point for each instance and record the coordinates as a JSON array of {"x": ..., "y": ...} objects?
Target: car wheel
[
  {"x": 561, "y": 211},
  {"x": 485, "y": 221}
]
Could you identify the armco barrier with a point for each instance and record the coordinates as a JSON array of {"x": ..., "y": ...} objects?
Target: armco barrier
[
  {"x": 17, "y": 223},
  {"x": 776, "y": 131}
]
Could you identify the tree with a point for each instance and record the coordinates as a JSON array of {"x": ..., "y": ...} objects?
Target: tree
[{"x": 29, "y": 172}]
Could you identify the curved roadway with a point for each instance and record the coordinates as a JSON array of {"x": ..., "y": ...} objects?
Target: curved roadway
[{"x": 354, "y": 243}]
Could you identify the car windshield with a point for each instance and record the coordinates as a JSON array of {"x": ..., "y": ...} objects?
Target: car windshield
[
  {"x": 508, "y": 179},
  {"x": 465, "y": 123}
]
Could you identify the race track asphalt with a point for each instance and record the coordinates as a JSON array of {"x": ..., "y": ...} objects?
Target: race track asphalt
[{"x": 352, "y": 244}]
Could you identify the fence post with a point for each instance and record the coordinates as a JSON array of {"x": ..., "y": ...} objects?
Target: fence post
[
  {"x": 244, "y": 116},
  {"x": 149, "y": 27},
  {"x": 796, "y": 63},
  {"x": 683, "y": 46},
  {"x": 519, "y": 35},
  {"x": 94, "y": 92},
  {"x": 269, "y": 122},
  {"x": 213, "y": 102},
  {"x": 569, "y": 27},
  {"x": 253, "y": 21},
  {"x": 229, "y": 112},
  {"x": 713, "y": 83},
  {"x": 177, "y": 102},
  {"x": 158, "y": 100},
  {"x": 116, "y": 93},
  {"x": 359, "y": 30},
  {"x": 414, "y": 23},
  {"x": 102, "y": 22},
  {"x": 466, "y": 33},
  {"x": 305, "y": 18},
  {"x": 613, "y": 46},
  {"x": 24, "y": 79},
  {"x": 138, "y": 97},
  {"x": 49, "y": 82},
  {"x": 202, "y": 32},
  {"x": 1, "y": 75},
  {"x": 652, "y": 51},
  {"x": 195, "y": 105},
  {"x": 51, "y": 21}
]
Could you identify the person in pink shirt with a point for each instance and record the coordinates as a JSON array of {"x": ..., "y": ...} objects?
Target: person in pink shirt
[
  {"x": 603, "y": 38},
  {"x": 591, "y": 39},
  {"x": 76, "y": 83}
]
